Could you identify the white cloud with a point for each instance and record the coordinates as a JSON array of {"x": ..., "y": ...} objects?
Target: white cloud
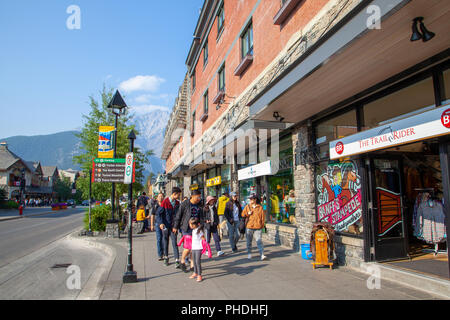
[
  {"x": 144, "y": 109},
  {"x": 142, "y": 83},
  {"x": 147, "y": 98}
]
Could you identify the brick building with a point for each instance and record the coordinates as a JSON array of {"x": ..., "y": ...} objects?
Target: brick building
[{"x": 300, "y": 84}]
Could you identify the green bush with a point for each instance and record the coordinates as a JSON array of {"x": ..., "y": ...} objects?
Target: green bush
[
  {"x": 9, "y": 205},
  {"x": 99, "y": 215}
]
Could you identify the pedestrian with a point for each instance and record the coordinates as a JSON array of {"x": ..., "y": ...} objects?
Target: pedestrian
[
  {"x": 187, "y": 210},
  {"x": 212, "y": 223},
  {"x": 256, "y": 219},
  {"x": 154, "y": 207},
  {"x": 140, "y": 218},
  {"x": 221, "y": 210},
  {"x": 197, "y": 247},
  {"x": 165, "y": 215},
  {"x": 233, "y": 212},
  {"x": 144, "y": 200}
]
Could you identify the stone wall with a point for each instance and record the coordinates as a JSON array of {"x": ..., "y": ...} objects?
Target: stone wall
[{"x": 349, "y": 250}]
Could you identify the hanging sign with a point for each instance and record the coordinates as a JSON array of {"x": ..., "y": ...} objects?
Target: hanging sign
[
  {"x": 129, "y": 169},
  {"x": 260, "y": 169},
  {"x": 214, "y": 181},
  {"x": 194, "y": 186},
  {"x": 430, "y": 124},
  {"x": 105, "y": 142}
]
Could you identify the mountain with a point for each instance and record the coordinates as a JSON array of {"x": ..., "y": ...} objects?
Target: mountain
[
  {"x": 55, "y": 149},
  {"x": 58, "y": 149},
  {"x": 151, "y": 122}
]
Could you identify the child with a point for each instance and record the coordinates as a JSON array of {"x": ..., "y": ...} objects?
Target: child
[
  {"x": 140, "y": 217},
  {"x": 197, "y": 247}
]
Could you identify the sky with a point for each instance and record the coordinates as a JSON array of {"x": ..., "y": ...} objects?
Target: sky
[{"x": 54, "y": 54}]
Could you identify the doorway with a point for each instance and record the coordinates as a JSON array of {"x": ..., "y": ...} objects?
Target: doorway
[{"x": 405, "y": 189}]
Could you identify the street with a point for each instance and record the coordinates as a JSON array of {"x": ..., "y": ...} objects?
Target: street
[{"x": 34, "y": 254}]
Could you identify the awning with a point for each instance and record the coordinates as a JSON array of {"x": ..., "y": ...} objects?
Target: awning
[{"x": 354, "y": 59}]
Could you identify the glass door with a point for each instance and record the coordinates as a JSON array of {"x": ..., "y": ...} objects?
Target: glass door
[{"x": 388, "y": 225}]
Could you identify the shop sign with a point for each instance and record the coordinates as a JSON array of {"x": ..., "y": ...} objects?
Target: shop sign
[
  {"x": 260, "y": 169},
  {"x": 214, "y": 181},
  {"x": 339, "y": 195},
  {"x": 426, "y": 125},
  {"x": 193, "y": 186}
]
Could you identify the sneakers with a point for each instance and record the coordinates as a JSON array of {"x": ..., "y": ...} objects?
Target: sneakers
[
  {"x": 177, "y": 264},
  {"x": 263, "y": 257},
  {"x": 183, "y": 267},
  {"x": 220, "y": 253},
  {"x": 161, "y": 258},
  {"x": 234, "y": 249},
  {"x": 249, "y": 256},
  {"x": 166, "y": 261}
]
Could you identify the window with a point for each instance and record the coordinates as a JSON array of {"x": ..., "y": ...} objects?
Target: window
[
  {"x": 205, "y": 103},
  {"x": 247, "y": 41},
  {"x": 400, "y": 103},
  {"x": 220, "y": 21},
  {"x": 193, "y": 124},
  {"x": 193, "y": 81},
  {"x": 447, "y": 87},
  {"x": 205, "y": 54},
  {"x": 222, "y": 79}
]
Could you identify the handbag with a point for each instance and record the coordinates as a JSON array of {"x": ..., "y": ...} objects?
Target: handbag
[{"x": 243, "y": 225}]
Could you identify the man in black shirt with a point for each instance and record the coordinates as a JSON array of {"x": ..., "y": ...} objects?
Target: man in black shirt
[{"x": 187, "y": 210}]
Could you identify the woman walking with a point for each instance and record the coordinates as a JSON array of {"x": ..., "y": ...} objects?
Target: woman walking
[
  {"x": 155, "y": 205},
  {"x": 211, "y": 223},
  {"x": 256, "y": 219}
]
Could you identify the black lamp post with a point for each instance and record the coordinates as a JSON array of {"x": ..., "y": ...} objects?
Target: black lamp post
[
  {"x": 130, "y": 275},
  {"x": 117, "y": 106}
]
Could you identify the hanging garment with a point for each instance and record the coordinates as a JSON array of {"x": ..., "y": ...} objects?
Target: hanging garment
[{"x": 430, "y": 224}]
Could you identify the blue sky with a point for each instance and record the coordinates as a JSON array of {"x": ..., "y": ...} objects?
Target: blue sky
[{"x": 48, "y": 71}]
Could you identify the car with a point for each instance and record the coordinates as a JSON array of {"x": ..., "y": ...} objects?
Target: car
[
  {"x": 70, "y": 202},
  {"x": 85, "y": 203}
]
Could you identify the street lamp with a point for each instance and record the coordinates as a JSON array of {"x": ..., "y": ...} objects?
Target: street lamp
[
  {"x": 118, "y": 107},
  {"x": 130, "y": 275}
]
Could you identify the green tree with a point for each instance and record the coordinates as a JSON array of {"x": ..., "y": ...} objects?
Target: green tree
[
  {"x": 63, "y": 187},
  {"x": 101, "y": 115}
]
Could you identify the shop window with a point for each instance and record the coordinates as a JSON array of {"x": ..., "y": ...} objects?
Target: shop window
[
  {"x": 220, "y": 21},
  {"x": 338, "y": 194},
  {"x": 419, "y": 96},
  {"x": 332, "y": 129},
  {"x": 281, "y": 186},
  {"x": 447, "y": 86}
]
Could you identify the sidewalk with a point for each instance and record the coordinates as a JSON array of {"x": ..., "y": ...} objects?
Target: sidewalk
[{"x": 283, "y": 276}]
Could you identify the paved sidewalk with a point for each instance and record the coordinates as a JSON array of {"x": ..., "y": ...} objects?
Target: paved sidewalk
[{"x": 283, "y": 276}]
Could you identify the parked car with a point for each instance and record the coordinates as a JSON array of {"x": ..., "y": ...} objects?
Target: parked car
[
  {"x": 70, "y": 202},
  {"x": 85, "y": 203}
]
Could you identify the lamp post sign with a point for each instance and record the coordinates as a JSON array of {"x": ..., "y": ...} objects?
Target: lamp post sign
[
  {"x": 129, "y": 168},
  {"x": 108, "y": 170}
]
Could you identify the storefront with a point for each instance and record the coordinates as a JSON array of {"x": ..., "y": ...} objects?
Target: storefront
[
  {"x": 381, "y": 172},
  {"x": 253, "y": 180},
  {"x": 198, "y": 184}
]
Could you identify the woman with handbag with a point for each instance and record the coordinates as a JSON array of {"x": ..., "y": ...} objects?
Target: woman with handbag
[
  {"x": 211, "y": 223},
  {"x": 235, "y": 224},
  {"x": 256, "y": 220}
]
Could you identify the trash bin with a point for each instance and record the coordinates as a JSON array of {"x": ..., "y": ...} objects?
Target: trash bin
[{"x": 306, "y": 251}]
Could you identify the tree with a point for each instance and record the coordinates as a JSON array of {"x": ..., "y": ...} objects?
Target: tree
[
  {"x": 63, "y": 188},
  {"x": 101, "y": 115}
]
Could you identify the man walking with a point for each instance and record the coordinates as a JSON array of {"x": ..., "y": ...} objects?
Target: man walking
[
  {"x": 211, "y": 223},
  {"x": 233, "y": 212},
  {"x": 221, "y": 210},
  {"x": 187, "y": 210},
  {"x": 165, "y": 215},
  {"x": 256, "y": 219},
  {"x": 155, "y": 205}
]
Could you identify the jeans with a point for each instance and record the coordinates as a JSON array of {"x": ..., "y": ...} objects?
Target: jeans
[
  {"x": 159, "y": 244},
  {"x": 165, "y": 235},
  {"x": 258, "y": 235},
  {"x": 233, "y": 234},
  {"x": 216, "y": 237}
]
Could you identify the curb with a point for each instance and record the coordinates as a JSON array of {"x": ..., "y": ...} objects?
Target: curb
[
  {"x": 93, "y": 288},
  {"x": 28, "y": 215},
  {"x": 431, "y": 285}
]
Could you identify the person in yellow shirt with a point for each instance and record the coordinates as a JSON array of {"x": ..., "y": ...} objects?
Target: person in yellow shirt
[
  {"x": 140, "y": 217},
  {"x": 220, "y": 212}
]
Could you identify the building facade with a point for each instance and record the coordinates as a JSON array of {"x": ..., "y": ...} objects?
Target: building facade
[{"x": 342, "y": 109}]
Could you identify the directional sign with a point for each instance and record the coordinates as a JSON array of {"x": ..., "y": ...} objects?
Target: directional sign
[
  {"x": 108, "y": 170},
  {"x": 129, "y": 168}
]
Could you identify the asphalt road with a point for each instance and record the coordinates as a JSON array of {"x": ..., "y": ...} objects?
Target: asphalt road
[{"x": 24, "y": 236}]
